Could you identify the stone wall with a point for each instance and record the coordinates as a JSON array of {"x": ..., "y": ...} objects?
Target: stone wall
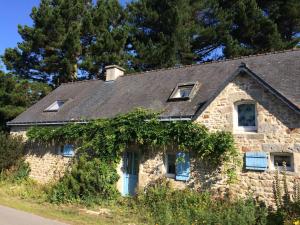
[
  {"x": 46, "y": 163},
  {"x": 278, "y": 130}
]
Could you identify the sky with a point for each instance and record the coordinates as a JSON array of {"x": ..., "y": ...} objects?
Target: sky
[{"x": 12, "y": 13}]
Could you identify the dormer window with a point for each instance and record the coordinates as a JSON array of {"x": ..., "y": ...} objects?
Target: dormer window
[
  {"x": 55, "y": 106},
  {"x": 184, "y": 91}
]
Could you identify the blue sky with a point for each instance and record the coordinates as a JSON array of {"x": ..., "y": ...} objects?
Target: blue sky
[{"x": 12, "y": 13}]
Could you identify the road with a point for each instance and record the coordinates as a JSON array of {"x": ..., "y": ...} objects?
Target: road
[{"x": 9, "y": 216}]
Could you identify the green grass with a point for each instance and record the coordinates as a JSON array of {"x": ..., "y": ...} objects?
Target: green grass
[{"x": 30, "y": 197}]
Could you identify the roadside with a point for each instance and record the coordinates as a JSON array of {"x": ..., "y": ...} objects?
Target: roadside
[
  {"x": 10, "y": 216},
  {"x": 70, "y": 214}
]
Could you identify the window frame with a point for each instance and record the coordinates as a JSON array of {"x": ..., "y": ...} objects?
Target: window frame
[
  {"x": 48, "y": 109},
  {"x": 236, "y": 117},
  {"x": 169, "y": 175},
  {"x": 194, "y": 85},
  {"x": 61, "y": 151},
  {"x": 280, "y": 168}
]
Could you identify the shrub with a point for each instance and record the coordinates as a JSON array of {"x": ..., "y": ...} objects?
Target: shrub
[
  {"x": 167, "y": 206},
  {"x": 11, "y": 151},
  {"x": 288, "y": 206},
  {"x": 88, "y": 181}
]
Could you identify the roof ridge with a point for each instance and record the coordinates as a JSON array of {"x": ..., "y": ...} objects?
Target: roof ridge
[
  {"x": 191, "y": 65},
  {"x": 79, "y": 81},
  {"x": 215, "y": 61}
]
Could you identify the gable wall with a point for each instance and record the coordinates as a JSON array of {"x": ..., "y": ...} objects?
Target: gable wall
[{"x": 278, "y": 130}]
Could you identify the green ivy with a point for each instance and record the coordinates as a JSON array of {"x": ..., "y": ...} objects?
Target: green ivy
[{"x": 106, "y": 139}]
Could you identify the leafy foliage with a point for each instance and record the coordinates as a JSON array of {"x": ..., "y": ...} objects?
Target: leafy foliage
[
  {"x": 16, "y": 95},
  {"x": 88, "y": 181},
  {"x": 101, "y": 143},
  {"x": 73, "y": 37},
  {"x": 68, "y": 36},
  {"x": 288, "y": 205},
  {"x": 11, "y": 151},
  {"x": 164, "y": 205}
]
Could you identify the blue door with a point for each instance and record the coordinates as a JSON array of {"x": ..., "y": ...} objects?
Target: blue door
[{"x": 130, "y": 175}]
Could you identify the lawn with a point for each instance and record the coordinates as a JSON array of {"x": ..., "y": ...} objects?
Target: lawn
[{"x": 28, "y": 197}]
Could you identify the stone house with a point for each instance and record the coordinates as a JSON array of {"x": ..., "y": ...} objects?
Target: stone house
[{"x": 257, "y": 98}]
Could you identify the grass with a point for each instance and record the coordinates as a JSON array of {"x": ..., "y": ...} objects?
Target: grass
[{"x": 30, "y": 197}]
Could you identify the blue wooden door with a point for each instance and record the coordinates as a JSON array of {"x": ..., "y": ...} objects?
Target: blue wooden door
[{"x": 130, "y": 175}]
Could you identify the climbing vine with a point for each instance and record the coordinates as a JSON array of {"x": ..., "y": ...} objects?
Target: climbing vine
[{"x": 101, "y": 142}]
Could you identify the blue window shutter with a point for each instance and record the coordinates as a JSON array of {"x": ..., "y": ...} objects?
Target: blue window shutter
[
  {"x": 68, "y": 150},
  {"x": 182, "y": 166},
  {"x": 256, "y": 161}
]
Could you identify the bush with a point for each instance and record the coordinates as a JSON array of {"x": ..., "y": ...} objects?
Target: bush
[
  {"x": 89, "y": 181},
  {"x": 11, "y": 151},
  {"x": 166, "y": 206}
]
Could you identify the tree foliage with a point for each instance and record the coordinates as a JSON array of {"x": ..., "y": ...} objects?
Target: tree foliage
[
  {"x": 74, "y": 39},
  {"x": 11, "y": 151},
  {"x": 18, "y": 94}
]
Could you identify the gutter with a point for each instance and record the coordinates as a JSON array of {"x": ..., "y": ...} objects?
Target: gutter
[{"x": 63, "y": 122}]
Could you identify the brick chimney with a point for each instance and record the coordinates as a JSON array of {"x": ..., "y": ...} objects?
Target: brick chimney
[{"x": 113, "y": 72}]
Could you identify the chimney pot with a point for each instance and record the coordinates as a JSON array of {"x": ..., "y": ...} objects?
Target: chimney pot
[{"x": 113, "y": 72}]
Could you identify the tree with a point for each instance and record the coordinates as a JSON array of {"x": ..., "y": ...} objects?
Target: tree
[
  {"x": 286, "y": 15},
  {"x": 51, "y": 48},
  {"x": 160, "y": 33},
  {"x": 18, "y": 94},
  {"x": 105, "y": 38},
  {"x": 69, "y": 37},
  {"x": 240, "y": 27}
]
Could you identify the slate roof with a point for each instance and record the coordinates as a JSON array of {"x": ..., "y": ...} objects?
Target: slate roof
[{"x": 99, "y": 99}]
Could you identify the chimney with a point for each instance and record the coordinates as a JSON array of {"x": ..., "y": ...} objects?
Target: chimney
[{"x": 113, "y": 72}]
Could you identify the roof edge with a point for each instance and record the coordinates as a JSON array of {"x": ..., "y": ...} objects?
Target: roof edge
[
  {"x": 42, "y": 123},
  {"x": 243, "y": 68}
]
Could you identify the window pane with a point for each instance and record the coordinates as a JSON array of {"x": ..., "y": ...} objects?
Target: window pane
[
  {"x": 171, "y": 164},
  {"x": 183, "y": 91},
  {"x": 246, "y": 115},
  {"x": 279, "y": 159}
]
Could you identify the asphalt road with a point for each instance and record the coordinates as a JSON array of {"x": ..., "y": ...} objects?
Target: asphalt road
[{"x": 9, "y": 216}]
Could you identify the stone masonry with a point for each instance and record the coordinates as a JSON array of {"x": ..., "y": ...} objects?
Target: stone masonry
[{"x": 278, "y": 130}]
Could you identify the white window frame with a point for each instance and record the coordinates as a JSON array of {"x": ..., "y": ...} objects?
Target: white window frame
[
  {"x": 236, "y": 118},
  {"x": 51, "y": 109},
  {"x": 280, "y": 168},
  {"x": 169, "y": 175}
]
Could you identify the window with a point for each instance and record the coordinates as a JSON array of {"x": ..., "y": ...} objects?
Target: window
[
  {"x": 245, "y": 116},
  {"x": 278, "y": 160},
  {"x": 171, "y": 165},
  {"x": 54, "y": 107},
  {"x": 178, "y": 166},
  {"x": 67, "y": 150},
  {"x": 184, "y": 91}
]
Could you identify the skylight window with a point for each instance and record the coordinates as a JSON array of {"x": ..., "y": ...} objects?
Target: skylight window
[
  {"x": 55, "y": 106},
  {"x": 184, "y": 91}
]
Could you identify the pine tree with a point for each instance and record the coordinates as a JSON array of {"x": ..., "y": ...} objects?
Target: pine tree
[
  {"x": 286, "y": 15},
  {"x": 70, "y": 37},
  {"x": 240, "y": 27},
  {"x": 51, "y": 49},
  {"x": 105, "y": 38},
  {"x": 161, "y": 33}
]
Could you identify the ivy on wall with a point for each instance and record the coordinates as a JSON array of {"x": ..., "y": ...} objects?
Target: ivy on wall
[{"x": 104, "y": 140}]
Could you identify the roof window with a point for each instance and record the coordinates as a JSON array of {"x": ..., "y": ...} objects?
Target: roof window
[
  {"x": 184, "y": 91},
  {"x": 55, "y": 106}
]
